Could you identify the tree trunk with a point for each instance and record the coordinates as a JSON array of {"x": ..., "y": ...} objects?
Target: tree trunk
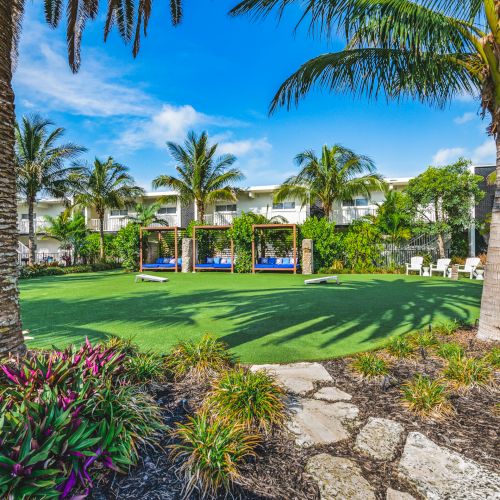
[
  {"x": 440, "y": 241},
  {"x": 489, "y": 319},
  {"x": 11, "y": 338},
  {"x": 201, "y": 211},
  {"x": 31, "y": 232},
  {"x": 101, "y": 237}
]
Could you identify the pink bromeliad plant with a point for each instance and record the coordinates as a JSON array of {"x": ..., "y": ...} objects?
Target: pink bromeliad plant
[{"x": 61, "y": 412}]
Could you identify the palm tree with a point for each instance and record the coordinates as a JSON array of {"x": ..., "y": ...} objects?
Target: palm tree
[
  {"x": 393, "y": 218},
  {"x": 40, "y": 166},
  {"x": 123, "y": 15},
  {"x": 426, "y": 50},
  {"x": 145, "y": 215},
  {"x": 104, "y": 185},
  {"x": 340, "y": 174},
  {"x": 203, "y": 177},
  {"x": 70, "y": 230}
]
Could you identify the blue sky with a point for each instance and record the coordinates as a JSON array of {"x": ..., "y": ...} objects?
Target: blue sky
[{"x": 219, "y": 74}]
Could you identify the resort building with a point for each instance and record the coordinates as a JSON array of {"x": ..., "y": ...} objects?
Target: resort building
[{"x": 256, "y": 199}]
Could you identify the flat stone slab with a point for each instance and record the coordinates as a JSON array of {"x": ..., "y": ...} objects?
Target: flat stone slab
[
  {"x": 339, "y": 478},
  {"x": 297, "y": 378},
  {"x": 398, "y": 495},
  {"x": 380, "y": 438},
  {"x": 438, "y": 473},
  {"x": 332, "y": 394},
  {"x": 318, "y": 422}
]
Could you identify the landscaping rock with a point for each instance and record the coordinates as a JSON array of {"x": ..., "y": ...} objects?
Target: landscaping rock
[
  {"x": 439, "y": 473},
  {"x": 380, "y": 438},
  {"x": 297, "y": 378},
  {"x": 318, "y": 422},
  {"x": 398, "y": 495},
  {"x": 332, "y": 394},
  {"x": 338, "y": 478}
]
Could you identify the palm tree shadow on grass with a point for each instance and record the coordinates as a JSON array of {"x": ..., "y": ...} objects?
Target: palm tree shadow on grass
[{"x": 356, "y": 314}]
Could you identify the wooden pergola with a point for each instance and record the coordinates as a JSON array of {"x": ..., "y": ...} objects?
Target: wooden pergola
[
  {"x": 160, "y": 230},
  {"x": 205, "y": 267},
  {"x": 293, "y": 228}
]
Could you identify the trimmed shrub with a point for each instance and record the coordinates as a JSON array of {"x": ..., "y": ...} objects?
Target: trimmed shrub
[
  {"x": 127, "y": 246},
  {"x": 369, "y": 365},
  {"x": 249, "y": 398},
  {"x": 200, "y": 359},
  {"x": 362, "y": 246},
  {"x": 38, "y": 271},
  {"x": 327, "y": 243},
  {"x": 241, "y": 233},
  {"x": 426, "y": 397},
  {"x": 211, "y": 451}
]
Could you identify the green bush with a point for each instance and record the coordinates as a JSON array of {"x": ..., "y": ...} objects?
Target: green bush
[
  {"x": 127, "y": 245},
  {"x": 212, "y": 451},
  {"x": 362, "y": 246},
  {"x": 446, "y": 327},
  {"x": 328, "y": 244},
  {"x": 426, "y": 397},
  {"x": 369, "y": 365},
  {"x": 90, "y": 250},
  {"x": 493, "y": 357},
  {"x": 463, "y": 372},
  {"x": 400, "y": 347},
  {"x": 249, "y": 398},
  {"x": 450, "y": 350},
  {"x": 424, "y": 339},
  {"x": 241, "y": 233},
  {"x": 200, "y": 359},
  {"x": 143, "y": 368},
  {"x": 38, "y": 271}
]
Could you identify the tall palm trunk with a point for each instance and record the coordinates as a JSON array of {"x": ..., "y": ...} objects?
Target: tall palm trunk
[
  {"x": 101, "y": 237},
  {"x": 31, "y": 231},
  {"x": 201, "y": 210},
  {"x": 489, "y": 320},
  {"x": 11, "y": 338}
]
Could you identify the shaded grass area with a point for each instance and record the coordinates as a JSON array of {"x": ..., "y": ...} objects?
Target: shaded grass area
[{"x": 263, "y": 317}]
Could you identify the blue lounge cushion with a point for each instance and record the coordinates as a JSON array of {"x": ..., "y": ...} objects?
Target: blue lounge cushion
[
  {"x": 263, "y": 260},
  {"x": 216, "y": 260},
  {"x": 279, "y": 261},
  {"x": 179, "y": 261},
  {"x": 271, "y": 260},
  {"x": 210, "y": 260},
  {"x": 285, "y": 260},
  {"x": 150, "y": 266}
]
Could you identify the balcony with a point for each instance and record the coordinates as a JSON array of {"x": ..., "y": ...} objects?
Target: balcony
[
  {"x": 39, "y": 224},
  {"x": 114, "y": 224},
  {"x": 346, "y": 215},
  {"x": 220, "y": 218}
]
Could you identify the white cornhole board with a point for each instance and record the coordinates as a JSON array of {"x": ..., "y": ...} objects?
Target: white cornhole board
[
  {"x": 148, "y": 277},
  {"x": 324, "y": 279}
]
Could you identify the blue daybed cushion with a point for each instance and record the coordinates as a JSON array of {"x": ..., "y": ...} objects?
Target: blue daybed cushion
[
  {"x": 286, "y": 260},
  {"x": 210, "y": 260},
  {"x": 179, "y": 260},
  {"x": 271, "y": 260},
  {"x": 216, "y": 260},
  {"x": 150, "y": 266}
]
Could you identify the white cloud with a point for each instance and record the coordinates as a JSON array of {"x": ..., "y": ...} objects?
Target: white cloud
[
  {"x": 465, "y": 118},
  {"x": 447, "y": 155},
  {"x": 485, "y": 153},
  {"x": 245, "y": 147}
]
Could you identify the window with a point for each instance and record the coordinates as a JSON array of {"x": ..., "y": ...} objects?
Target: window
[
  {"x": 225, "y": 208},
  {"x": 26, "y": 216},
  {"x": 119, "y": 213},
  {"x": 358, "y": 202},
  {"x": 287, "y": 205},
  {"x": 348, "y": 203},
  {"x": 167, "y": 211}
]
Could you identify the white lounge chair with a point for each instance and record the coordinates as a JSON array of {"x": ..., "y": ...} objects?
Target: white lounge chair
[
  {"x": 415, "y": 265},
  {"x": 470, "y": 266},
  {"x": 441, "y": 266}
]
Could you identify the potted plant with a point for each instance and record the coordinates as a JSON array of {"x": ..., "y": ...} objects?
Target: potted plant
[{"x": 427, "y": 264}]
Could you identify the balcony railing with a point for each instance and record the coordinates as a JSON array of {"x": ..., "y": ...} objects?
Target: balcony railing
[
  {"x": 115, "y": 224},
  {"x": 346, "y": 215},
  {"x": 220, "y": 218},
  {"x": 39, "y": 224}
]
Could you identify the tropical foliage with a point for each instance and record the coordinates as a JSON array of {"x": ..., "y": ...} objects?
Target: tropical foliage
[
  {"x": 127, "y": 246},
  {"x": 41, "y": 166},
  {"x": 328, "y": 245},
  {"x": 104, "y": 185},
  {"x": 203, "y": 177},
  {"x": 338, "y": 175}
]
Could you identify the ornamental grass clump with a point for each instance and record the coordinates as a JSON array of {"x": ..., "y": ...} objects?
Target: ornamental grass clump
[
  {"x": 493, "y": 358},
  {"x": 369, "y": 365},
  {"x": 426, "y": 397},
  {"x": 211, "y": 452},
  {"x": 423, "y": 339},
  {"x": 450, "y": 350},
  {"x": 123, "y": 345},
  {"x": 64, "y": 412},
  {"x": 252, "y": 399},
  {"x": 200, "y": 359},
  {"x": 446, "y": 328},
  {"x": 144, "y": 368},
  {"x": 400, "y": 347},
  {"x": 464, "y": 373}
]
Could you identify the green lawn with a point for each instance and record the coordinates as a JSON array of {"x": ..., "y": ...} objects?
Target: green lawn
[{"x": 264, "y": 317}]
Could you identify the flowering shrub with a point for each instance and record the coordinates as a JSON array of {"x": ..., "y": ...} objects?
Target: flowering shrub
[{"x": 63, "y": 412}]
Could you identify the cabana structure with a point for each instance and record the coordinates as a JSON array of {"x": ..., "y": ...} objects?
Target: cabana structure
[
  {"x": 213, "y": 249},
  {"x": 159, "y": 248},
  {"x": 274, "y": 252}
]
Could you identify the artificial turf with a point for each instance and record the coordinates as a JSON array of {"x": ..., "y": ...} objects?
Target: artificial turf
[{"x": 263, "y": 317}]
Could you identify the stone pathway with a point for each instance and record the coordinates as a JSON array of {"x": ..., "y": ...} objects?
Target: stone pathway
[{"x": 322, "y": 414}]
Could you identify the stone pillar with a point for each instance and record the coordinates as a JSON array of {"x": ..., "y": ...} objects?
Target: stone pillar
[
  {"x": 454, "y": 272},
  {"x": 307, "y": 257},
  {"x": 187, "y": 255}
]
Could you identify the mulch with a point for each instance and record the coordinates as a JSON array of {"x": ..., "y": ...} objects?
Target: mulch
[{"x": 278, "y": 471}]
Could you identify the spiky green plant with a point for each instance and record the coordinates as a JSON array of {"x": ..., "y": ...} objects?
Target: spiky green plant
[
  {"x": 369, "y": 365},
  {"x": 493, "y": 357},
  {"x": 426, "y": 397},
  {"x": 400, "y": 347},
  {"x": 450, "y": 350},
  {"x": 446, "y": 327},
  {"x": 249, "y": 398},
  {"x": 463, "y": 372},
  {"x": 121, "y": 344},
  {"x": 211, "y": 451},
  {"x": 424, "y": 339},
  {"x": 143, "y": 368},
  {"x": 199, "y": 358}
]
